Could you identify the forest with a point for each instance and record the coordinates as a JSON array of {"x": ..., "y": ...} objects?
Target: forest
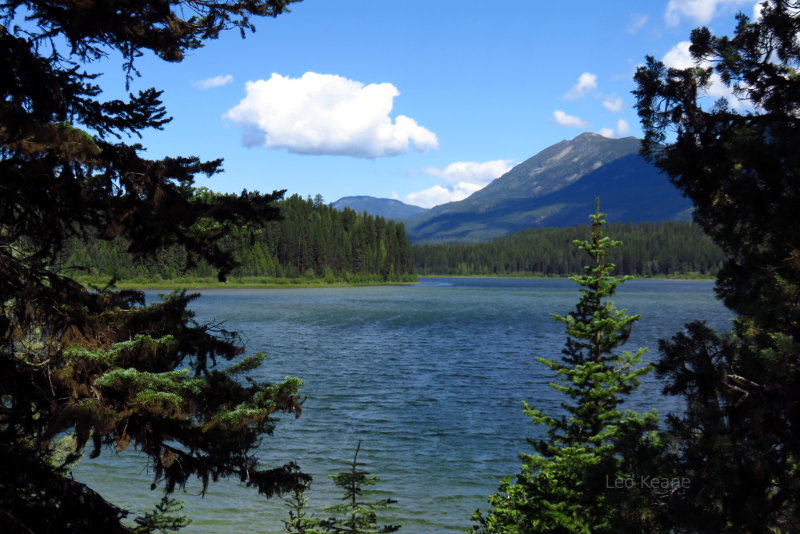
[
  {"x": 310, "y": 240},
  {"x": 314, "y": 242},
  {"x": 651, "y": 249}
]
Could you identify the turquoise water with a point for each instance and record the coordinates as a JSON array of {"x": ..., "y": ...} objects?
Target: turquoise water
[{"x": 430, "y": 377}]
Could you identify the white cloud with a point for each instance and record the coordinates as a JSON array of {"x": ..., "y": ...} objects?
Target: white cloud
[
  {"x": 586, "y": 82},
  {"x": 701, "y": 11},
  {"x": 438, "y": 194},
  {"x": 327, "y": 114},
  {"x": 679, "y": 57},
  {"x": 638, "y": 22},
  {"x": 472, "y": 171},
  {"x": 466, "y": 177},
  {"x": 562, "y": 119},
  {"x": 613, "y": 104},
  {"x": 214, "y": 81},
  {"x": 757, "y": 9},
  {"x": 622, "y": 129}
]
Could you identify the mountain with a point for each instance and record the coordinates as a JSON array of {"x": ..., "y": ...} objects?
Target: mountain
[
  {"x": 381, "y": 207},
  {"x": 557, "y": 187}
]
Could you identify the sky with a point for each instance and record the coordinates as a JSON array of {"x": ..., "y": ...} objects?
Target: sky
[{"x": 424, "y": 101}]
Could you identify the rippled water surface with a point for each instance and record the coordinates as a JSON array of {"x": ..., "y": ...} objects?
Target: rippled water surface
[{"x": 429, "y": 376}]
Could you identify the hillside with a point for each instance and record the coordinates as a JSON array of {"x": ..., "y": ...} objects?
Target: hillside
[{"x": 557, "y": 187}]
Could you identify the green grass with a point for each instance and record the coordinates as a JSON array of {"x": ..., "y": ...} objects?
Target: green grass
[{"x": 248, "y": 282}]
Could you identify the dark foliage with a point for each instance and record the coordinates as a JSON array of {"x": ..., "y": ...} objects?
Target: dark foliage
[
  {"x": 85, "y": 368},
  {"x": 651, "y": 249},
  {"x": 740, "y": 438},
  {"x": 310, "y": 240}
]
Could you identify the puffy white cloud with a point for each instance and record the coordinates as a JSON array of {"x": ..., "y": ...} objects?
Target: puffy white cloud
[
  {"x": 327, "y": 114},
  {"x": 214, "y": 81},
  {"x": 622, "y": 129},
  {"x": 701, "y": 11},
  {"x": 433, "y": 196},
  {"x": 562, "y": 119},
  {"x": 757, "y": 9},
  {"x": 613, "y": 104},
  {"x": 472, "y": 171},
  {"x": 586, "y": 82},
  {"x": 679, "y": 56},
  {"x": 466, "y": 177},
  {"x": 439, "y": 194},
  {"x": 606, "y": 132}
]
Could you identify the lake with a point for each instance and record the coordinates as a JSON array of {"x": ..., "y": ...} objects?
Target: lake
[{"x": 430, "y": 377}]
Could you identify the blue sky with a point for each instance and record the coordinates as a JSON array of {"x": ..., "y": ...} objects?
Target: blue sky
[{"x": 425, "y": 104}]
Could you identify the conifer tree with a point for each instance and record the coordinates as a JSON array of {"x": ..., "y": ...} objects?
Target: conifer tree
[
  {"x": 101, "y": 367},
  {"x": 299, "y": 522},
  {"x": 737, "y": 160},
  {"x": 163, "y": 519},
  {"x": 586, "y": 476},
  {"x": 356, "y": 516}
]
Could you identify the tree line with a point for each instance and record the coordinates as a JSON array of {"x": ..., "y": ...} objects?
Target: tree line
[
  {"x": 310, "y": 240},
  {"x": 651, "y": 249}
]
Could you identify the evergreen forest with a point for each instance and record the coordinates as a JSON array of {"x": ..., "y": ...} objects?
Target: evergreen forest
[
  {"x": 651, "y": 249},
  {"x": 313, "y": 241},
  {"x": 310, "y": 240}
]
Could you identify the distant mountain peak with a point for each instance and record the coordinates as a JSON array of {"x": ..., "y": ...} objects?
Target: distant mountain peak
[
  {"x": 388, "y": 208},
  {"x": 557, "y": 187}
]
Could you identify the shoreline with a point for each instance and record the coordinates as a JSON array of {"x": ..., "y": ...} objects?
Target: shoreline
[
  {"x": 698, "y": 278},
  {"x": 234, "y": 284},
  {"x": 290, "y": 283}
]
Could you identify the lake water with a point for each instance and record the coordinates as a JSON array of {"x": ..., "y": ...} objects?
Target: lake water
[{"x": 430, "y": 377}]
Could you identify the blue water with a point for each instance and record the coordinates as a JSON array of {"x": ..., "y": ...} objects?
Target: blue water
[{"x": 429, "y": 376}]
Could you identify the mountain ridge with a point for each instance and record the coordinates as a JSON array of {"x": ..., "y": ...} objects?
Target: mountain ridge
[
  {"x": 555, "y": 187},
  {"x": 387, "y": 208}
]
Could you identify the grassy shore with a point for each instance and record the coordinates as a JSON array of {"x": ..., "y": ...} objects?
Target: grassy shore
[{"x": 250, "y": 282}]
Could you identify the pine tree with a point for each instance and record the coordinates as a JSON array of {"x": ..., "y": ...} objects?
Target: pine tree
[
  {"x": 163, "y": 519},
  {"x": 356, "y": 516},
  {"x": 739, "y": 439},
  {"x": 101, "y": 367},
  {"x": 586, "y": 476},
  {"x": 300, "y": 522}
]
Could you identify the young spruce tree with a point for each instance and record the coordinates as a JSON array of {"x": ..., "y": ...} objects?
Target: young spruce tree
[
  {"x": 590, "y": 475},
  {"x": 356, "y": 516}
]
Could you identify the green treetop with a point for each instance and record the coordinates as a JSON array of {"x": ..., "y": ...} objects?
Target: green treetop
[{"x": 578, "y": 480}]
